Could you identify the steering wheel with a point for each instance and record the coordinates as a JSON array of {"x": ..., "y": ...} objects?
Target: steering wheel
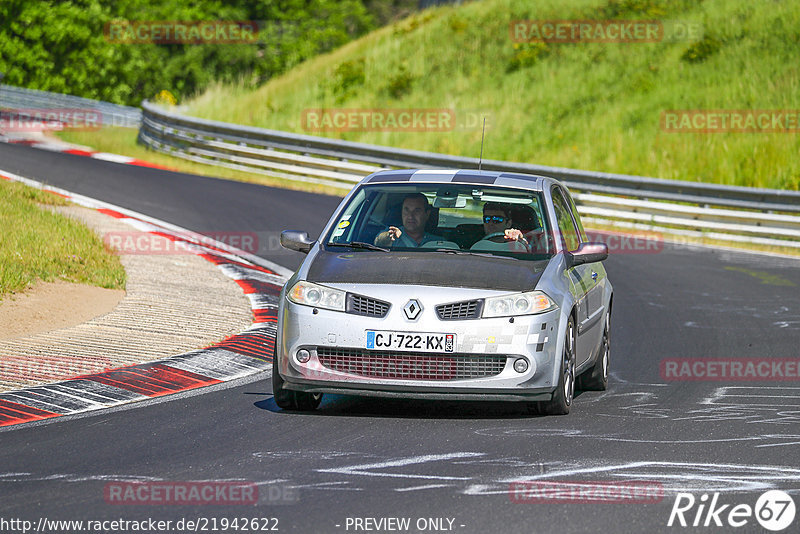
[
  {"x": 493, "y": 237},
  {"x": 497, "y": 241}
]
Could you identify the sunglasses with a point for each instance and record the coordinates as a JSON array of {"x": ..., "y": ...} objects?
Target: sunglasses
[{"x": 494, "y": 219}]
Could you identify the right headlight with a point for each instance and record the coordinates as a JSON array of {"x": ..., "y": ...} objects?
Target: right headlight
[
  {"x": 526, "y": 303},
  {"x": 311, "y": 294}
]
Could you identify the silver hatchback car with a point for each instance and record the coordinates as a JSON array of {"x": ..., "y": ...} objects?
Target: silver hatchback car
[{"x": 456, "y": 285}]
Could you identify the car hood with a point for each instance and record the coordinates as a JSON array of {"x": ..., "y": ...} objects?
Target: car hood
[{"x": 425, "y": 268}]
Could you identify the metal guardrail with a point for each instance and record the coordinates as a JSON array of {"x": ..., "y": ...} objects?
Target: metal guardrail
[
  {"x": 679, "y": 208},
  {"x": 690, "y": 209},
  {"x": 12, "y": 97}
]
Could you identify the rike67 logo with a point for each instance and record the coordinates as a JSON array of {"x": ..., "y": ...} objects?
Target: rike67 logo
[{"x": 774, "y": 511}]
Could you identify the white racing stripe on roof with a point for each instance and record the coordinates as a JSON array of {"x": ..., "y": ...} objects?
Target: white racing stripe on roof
[
  {"x": 533, "y": 183},
  {"x": 444, "y": 175}
]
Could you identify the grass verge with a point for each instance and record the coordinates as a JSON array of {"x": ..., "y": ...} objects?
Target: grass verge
[
  {"x": 39, "y": 244},
  {"x": 595, "y": 106}
]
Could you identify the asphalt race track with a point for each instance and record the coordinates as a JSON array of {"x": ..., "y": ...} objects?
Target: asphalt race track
[{"x": 367, "y": 458}]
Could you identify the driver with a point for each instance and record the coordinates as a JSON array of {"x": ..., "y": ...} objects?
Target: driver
[
  {"x": 416, "y": 212},
  {"x": 497, "y": 224}
]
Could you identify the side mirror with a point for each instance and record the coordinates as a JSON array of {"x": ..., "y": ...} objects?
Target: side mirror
[
  {"x": 296, "y": 240},
  {"x": 587, "y": 253}
]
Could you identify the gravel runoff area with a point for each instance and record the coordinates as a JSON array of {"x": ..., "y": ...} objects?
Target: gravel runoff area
[{"x": 174, "y": 303}]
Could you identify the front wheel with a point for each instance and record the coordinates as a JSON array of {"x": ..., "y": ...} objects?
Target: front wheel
[
  {"x": 596, "y": 378},
  {"x": 561, "y": 402},
  {"x": 287, "y": 399}
]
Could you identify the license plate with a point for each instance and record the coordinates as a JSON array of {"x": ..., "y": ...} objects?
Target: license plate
[{"x": 410, "y": 341}]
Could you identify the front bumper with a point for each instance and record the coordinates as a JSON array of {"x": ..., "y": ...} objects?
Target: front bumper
[
  {"x": 402, "y": 392},
  {"x": 533, "y": 338}
]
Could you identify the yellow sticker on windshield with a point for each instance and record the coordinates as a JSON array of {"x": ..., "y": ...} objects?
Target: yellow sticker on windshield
[{"x": 344, "y": 224}]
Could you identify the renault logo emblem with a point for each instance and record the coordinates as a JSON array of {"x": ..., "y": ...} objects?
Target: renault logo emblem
[{"x": 412, "y": 309}]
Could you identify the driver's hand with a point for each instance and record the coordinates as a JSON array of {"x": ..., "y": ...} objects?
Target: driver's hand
[
  {"x": 385, "y": 239},
  {"x": 512, "y": 234}
]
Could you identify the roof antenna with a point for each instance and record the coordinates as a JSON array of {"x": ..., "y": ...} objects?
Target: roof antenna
[{"x": 483, "y": 131}]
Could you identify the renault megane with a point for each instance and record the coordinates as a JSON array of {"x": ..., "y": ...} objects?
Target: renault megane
[{"x": 435, "y": 284}]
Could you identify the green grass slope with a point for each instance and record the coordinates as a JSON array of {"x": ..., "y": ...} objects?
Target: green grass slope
[
  {"x": 39, "y": 244},
  {"x": 592, "y": 106}
]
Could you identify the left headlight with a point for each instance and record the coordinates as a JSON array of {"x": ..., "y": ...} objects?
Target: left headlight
[
  {"x": 311, "y": 294},
  {"x": 518, "y": 304}
]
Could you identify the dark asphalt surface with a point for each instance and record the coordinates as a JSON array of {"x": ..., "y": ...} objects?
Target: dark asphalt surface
[{"x": 367, "y": 458}]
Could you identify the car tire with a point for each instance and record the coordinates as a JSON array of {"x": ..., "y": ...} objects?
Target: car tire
[
  {"x": 596, "y": 378},
  {"x": 561, "y": 402},
  {"x": 307, "y": 402},
  {"x": 284, "y": 398},
  {"x": 287, "y": 399}
]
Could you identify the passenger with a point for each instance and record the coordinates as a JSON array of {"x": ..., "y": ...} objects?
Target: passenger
[{"x": 416, "y": 212}]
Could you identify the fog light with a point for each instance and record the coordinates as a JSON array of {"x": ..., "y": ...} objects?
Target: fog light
[
  {"x": 521, "y": 365},
  {"x": 303, "y": 356}
]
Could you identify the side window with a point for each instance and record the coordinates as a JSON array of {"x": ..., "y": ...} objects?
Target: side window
[
  {"x": 566, "y": 227},
  {"x": 577, "y": 218}
]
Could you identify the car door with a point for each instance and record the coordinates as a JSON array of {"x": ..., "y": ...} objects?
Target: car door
[
  {"x": 595, "y": 308},
  {"x": 580, "y": 275},
  {"x": 597, "y": 272}
]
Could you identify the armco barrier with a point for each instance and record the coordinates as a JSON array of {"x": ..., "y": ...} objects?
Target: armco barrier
[
  {"x": 670, "y": 207},
  {"x": 111, "y": 114},
  {"x": 674, "y": 207}
]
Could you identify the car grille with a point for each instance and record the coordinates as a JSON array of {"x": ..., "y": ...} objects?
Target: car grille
[
  {"x": 360, "y": 305},
  {"x": 410, "y": 365},
  {"x": 469, "y": 309}
]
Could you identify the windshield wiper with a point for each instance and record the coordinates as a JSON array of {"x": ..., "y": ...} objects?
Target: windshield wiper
[
  {"x": 360, "y": 245},
  {"x": 467, "y": 252},
  {"x": 470, "y": 253}
]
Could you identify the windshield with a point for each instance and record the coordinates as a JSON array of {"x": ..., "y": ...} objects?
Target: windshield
[{"x": 439, "y": 218}]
